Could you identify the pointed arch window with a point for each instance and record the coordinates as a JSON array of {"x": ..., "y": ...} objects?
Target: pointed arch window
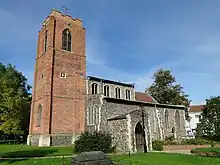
[
  {"x": 166, "y": 119},
  {"x": 91, "y": 115},
  {"x": 117, "y": 93},
  {"x": 177, "y": 120},
  {"x": 94, "y": 88},
  {"x": 106, "y": 90},
  {"x": 128, "y": 94},
  {"x": 45, "y": 41},
  {"x": 39, "y": 115},
  {"x": 66, "y": 40}
]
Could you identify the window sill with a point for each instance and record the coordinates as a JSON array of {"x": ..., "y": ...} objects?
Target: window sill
[
  {"x": 90, "y": 124},
  {"x": 67, "y": 51}
]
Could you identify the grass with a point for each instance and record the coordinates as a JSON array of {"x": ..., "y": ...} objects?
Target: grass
[
  {"x": 150, "y": 158},
  {"x": 51, "y": 161},
  {"x": 15, "y": 151},
  {"x": 165, "y": 159},
  {"x": 211, "y": 149},
  {"x": 24, "y": 151},
  {"x": 135, "y": 159},
  {"x": 210, "y": 152}
]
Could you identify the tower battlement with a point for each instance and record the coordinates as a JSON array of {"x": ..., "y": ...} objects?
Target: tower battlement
[{"x": 68, "y": 19}]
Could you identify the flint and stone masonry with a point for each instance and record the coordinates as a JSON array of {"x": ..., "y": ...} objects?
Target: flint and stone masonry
[{"x": 66, "y": 102}]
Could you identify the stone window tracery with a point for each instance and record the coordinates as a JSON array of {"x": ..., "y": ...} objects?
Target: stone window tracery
[
  {"x": 94, "y": 88},
  {"x": 106, "y": 90},
  {"x": 66, "y": 40},
  {"x": 117, "y": 93},
  {"x": 128, "y": 94},
  {"x": 91, "y": 115}
]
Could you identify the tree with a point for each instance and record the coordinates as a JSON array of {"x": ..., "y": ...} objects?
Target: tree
[
  {"x": 165, "y": 91},
  {"x": 15, "y": 101},
  {"x": 210, "y": 119}
]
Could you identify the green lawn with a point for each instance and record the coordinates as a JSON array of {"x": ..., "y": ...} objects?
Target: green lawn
[
  {"x": 165, "y": 159},
  {"x": 14, "y": 151},
  {"x": 135, "y": 159},
  {"x": 151, "y": 158},
  {"x": 211, "y": 149},
  {"x": 209, "y": 152},
  {"x": 53, "y": 161}
]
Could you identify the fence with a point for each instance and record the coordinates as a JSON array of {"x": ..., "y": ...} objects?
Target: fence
[{"x": 9, "y": 139}]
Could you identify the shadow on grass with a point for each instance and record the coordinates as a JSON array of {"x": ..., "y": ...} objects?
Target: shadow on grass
[{"x": 12, "y": 157}]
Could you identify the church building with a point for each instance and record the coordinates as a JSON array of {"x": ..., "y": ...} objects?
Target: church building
[{"x": 66, "y": 102}]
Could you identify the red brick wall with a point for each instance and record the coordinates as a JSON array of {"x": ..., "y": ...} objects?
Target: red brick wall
[{"x": 67, "y": 110}]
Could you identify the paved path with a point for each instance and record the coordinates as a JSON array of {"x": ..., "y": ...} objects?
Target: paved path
[{"x": 186, "y": 152}]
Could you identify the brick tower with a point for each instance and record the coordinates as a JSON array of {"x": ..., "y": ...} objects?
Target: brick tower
[{"x": 58, "y": 100}]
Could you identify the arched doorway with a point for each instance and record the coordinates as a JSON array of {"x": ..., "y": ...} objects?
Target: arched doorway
[{"x": 139, "y": 137}]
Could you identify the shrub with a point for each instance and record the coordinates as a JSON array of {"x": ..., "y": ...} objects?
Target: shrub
[
  {"x": 209, "y": 152},
  {"x": 197, "y": 141},
  {"x": 96, "y": 141},
  {"x": 157, "y": 145},
  {"x": 212, "y": 138},
  {"x": 170, "y": 140},
  {"x": 212, "y": 143}
]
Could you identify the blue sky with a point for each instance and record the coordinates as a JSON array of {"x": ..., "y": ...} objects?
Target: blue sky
[{"x": 127, "y": 40}]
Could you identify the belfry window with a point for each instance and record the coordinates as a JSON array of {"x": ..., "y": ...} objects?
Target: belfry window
[
  {"x": 94, "y": 88},
  {"x": 66, "y": 40},
  {"x": 117, "y": 93},
  {"x": 106, "y": 90},
  {"x": 45, "y": 41},
  {"x": 128, "y": 94}
]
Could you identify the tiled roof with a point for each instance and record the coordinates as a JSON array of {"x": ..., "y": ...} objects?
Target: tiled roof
[
  {"x": 196, "y": 108},
  {"x": 139, "y": 96}
]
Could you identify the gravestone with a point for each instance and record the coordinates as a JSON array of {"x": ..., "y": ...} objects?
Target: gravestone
[{"x": 92, "y": 158}]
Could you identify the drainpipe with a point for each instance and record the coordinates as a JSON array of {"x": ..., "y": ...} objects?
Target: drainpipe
[{"x": 52, "y": 76}]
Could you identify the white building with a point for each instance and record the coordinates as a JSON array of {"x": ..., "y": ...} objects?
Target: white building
[{"x": 194, "y": 116}]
